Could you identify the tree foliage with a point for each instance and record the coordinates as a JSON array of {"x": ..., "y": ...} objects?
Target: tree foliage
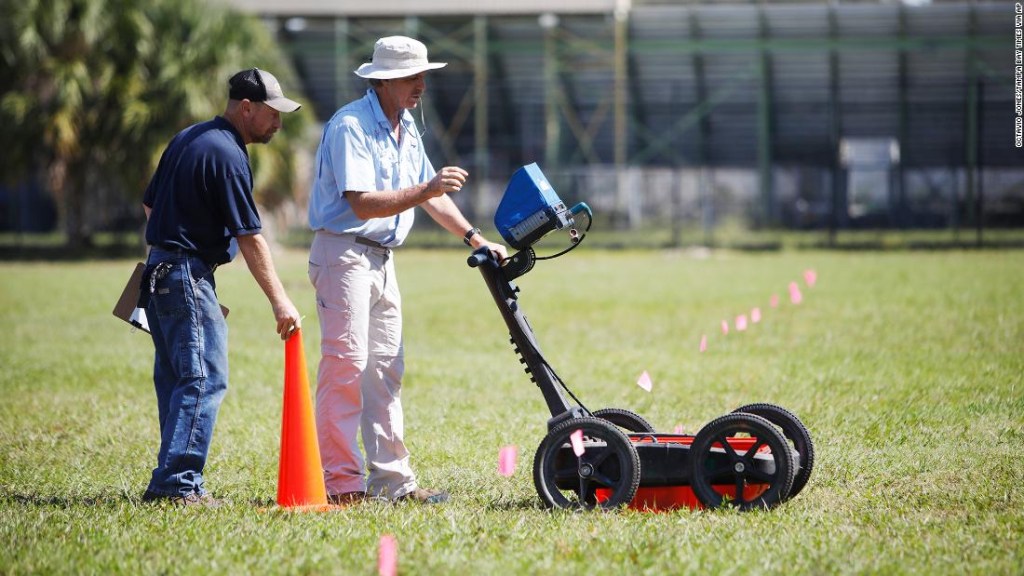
[{"x": 92, "y": 90}]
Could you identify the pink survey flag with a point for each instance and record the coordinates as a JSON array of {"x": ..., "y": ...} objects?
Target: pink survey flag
[
  {"x": 507, "y": 460},
  {"x": 755, "y": 315},
  {"x": 775, "y": 301},
  {"x": 577, "y": 442},
  {"x": 645, "y": 381},
  {"x": 810, "y": 277},
  {"x": 387, "y": 556},
  {"x": 703, "y": 343},
  {"x": 794, "y": 293},
  {"x": 678, "y": 429},
  {"x": 741, "y": 322},
  {"x": 725, "y": 326}
]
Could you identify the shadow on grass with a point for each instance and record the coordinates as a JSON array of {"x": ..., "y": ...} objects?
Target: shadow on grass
[
  {"x": 105, "y": 499},
  {"x": 69, "y": 500},
  {"x": 515, "y": 505}
]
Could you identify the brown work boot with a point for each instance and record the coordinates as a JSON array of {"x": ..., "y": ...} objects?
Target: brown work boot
[
  {"x": 346, "y": 498},
  {"x": 424, "y": 496}
]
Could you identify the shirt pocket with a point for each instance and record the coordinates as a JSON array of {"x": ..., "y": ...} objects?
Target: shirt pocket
[
  {"x": 412, "y": 161},
  {"x": 387, "y": 166}
]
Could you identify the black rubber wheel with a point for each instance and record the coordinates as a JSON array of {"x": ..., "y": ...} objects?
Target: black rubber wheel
[
  {"x": 625, "y": 419},
  {"x": 610, "y": 461},
  {"x": 794, "y": 431},
  {"x": 714, "y": 461}
]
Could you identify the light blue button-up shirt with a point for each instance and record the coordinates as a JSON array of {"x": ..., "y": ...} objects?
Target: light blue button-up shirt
[{"x": 358, "y": 154}]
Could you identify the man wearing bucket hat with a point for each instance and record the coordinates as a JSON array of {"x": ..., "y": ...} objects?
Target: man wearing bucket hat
[
  {"x": 199, "y": 199},
  {"x": 371, "y": 172}
]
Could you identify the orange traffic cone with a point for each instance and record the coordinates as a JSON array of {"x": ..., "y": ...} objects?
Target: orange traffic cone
[{"x": 300, "y": 478}]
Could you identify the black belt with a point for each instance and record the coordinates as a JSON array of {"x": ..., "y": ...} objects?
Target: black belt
[
  {"x": 184, "y": 252},
  {"x": 370, "y": 243}
]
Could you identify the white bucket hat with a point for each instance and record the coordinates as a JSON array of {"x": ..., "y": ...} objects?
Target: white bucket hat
[{"x": 397, "y": 57}]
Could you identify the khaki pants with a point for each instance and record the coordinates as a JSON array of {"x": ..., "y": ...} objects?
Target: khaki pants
[{"x": 359, "y": 382}]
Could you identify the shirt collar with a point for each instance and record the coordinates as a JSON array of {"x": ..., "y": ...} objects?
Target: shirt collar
[
  {"x": 223, "y": 124},
  {"x": 378, "y": 112}
]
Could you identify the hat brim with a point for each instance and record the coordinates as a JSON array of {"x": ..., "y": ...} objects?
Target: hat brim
[
  {"x": 368, "y": 70},
  {"x": 283, "y": 104}
]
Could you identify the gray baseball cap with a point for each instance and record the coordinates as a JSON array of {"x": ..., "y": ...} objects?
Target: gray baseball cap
[{"x": 258, "y": 85}]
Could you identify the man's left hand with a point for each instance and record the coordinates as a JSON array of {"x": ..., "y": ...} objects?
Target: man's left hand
[{"x": 499, "y": 250}]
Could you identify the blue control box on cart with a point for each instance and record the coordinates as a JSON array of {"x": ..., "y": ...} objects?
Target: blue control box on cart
[{"x": 530, "y": 208}]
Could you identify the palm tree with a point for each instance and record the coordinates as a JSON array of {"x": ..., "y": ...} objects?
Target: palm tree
[{"x": 93, "y": 89}]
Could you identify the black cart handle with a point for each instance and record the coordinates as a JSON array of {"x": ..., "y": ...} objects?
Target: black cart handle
[{"x": 480, "y": 256}]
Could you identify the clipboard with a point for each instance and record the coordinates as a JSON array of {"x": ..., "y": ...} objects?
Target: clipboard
[{"x": 127, "y": 307}]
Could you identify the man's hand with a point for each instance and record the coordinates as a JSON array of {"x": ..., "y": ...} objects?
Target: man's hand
[
  {"x": 367, "y": 204},
  {"x": 448, "y": 179},
  {"x": 499, "y": 250},
  {"x": 288, "y": 319}
]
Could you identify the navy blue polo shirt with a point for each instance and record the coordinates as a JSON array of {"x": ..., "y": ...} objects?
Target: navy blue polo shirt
[{"x": 201, "y": 193}]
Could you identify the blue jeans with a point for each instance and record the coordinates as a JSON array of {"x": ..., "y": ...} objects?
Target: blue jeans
[{"x": 190, "y": 371}]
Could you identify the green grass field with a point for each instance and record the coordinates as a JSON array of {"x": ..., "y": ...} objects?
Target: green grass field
[{"x": 906, "y": 367}]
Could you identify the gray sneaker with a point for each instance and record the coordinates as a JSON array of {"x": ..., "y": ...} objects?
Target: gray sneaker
[
  {"x": 204, "y": 500},
  {"x": 187, "y": 500},
  {"x": 424, "y": 496}
]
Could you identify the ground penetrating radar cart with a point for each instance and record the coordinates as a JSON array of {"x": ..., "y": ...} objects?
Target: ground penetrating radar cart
[{"x": 757, "y": 456}]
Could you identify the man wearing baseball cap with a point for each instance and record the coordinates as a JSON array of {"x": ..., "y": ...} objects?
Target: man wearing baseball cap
[
  {"x": 199, "y": 200},
  {"x": 371, "y": 172}
]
